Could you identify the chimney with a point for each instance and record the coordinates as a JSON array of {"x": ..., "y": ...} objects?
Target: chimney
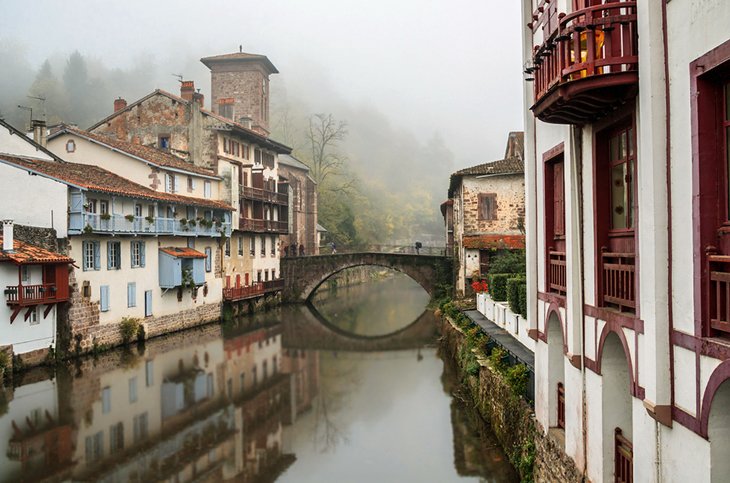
[
  {"x": 7, "y": 235},
  {"x": 246, "y": 122},
  {"x": 119, "y": 104},
  {"x": 199, "y": 99},
  {"x": 187, "y": 89},
  {"x": 39, "y": 132}
]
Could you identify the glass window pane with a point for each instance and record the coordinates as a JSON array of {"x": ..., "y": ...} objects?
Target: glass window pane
[
  {"x": 618, "y": 194},
  {"x": 631, "y": 141},
  {"x": 727, "y": 158},
  {"x": 727, "y": 101},
  {"x": 613, "y": 149},
  {"x": 630, "y": 195},
  {"x": 623, "y": 145}
]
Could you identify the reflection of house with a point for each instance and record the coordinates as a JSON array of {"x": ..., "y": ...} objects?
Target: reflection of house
[
  {"x": 303, "y": 368},
  {"x": 485, "y": 211},
  {"x": 628, "y": 246}
]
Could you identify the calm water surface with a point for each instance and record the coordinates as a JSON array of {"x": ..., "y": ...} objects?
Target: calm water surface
[{"x": 292, "y": 395}]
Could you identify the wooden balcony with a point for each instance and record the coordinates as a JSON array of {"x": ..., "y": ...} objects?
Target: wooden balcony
[
  {"x": 263, "y": 226},
  {"x": 588, "y": 66},
  {"x": 257, "y": 289},
  {"x": 118, "y": 224},
  {"x": 623, "y": 458},
  {"x": 29, "y": 295},
  {"x": 719, "y": 294},
  {"x": 557, "y": 273},
  {"x": 260, "y": 194},
  {"x": 618, "y": 281}
]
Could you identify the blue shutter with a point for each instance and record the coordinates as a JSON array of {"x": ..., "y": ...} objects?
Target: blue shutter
[
  {"x": 131, "y": 294},
  {"x": 141, "y": 253},
  {"x": 208, "y": 253},
  {"x": 148, "y": 303},
  {"x": 84, "y": 247},
  {"x": 97, "y": 256},
  {"x": 104, "y": 298},
  {"x": 109, "y": 260}
]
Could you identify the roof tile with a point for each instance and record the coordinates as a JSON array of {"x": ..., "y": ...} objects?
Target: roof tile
[{"x": 25, "y": 254}]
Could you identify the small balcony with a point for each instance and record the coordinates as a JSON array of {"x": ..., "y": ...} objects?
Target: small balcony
[
  {"x": 618, "y": 281},
  {"x": 139, "y": 225},
  {"x": 557, "y": 273},
  {"x": 260, "y": 194},
  {"x": 263, "y": 226},
  {"x": 234, "y": 294},
  {"x": 29, "y": 295},
  {"x": 719, "y": 295},
  {"x": 588, "y": 67}
]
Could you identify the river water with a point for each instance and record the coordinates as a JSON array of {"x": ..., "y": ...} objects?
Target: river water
[{"x": 349, "y": 391}]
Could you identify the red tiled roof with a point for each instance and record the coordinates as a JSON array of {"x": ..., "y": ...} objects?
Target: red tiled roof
[
  {"x": 148, "y": 153},
  {"x": 182, "y": 252},
  {"x": 98, "y": 179},
  {"x": 25, "y": 254},
  {"x": 494, "y": 241}
]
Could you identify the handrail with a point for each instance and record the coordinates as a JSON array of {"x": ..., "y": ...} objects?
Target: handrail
[
  {"x": 263, "y": 194},
  {"x": 30, "y": 294}
]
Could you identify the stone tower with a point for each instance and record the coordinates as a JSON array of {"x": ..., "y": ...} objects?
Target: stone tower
[{"x": 240, "y": 88}]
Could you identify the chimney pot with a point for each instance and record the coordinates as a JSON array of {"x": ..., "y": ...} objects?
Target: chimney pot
[
  {"x": 8, "y": 235},
  {"x": 187, "y": 89},
  {"x": 119, "y": 104},
  {"x": 39, "y": 131}
]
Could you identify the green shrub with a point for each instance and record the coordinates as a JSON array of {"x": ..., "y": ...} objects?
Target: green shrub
[
  {"x": 508, "y": 261},
  {"x": 523, "y": 299},
  {"x": 498, "y": 285},
  {"x": 513, "y": 293},
  {"x": 517, "y": 377},
  {"x": 128, "y": 328},
  {"x": 4, "y": 359},
  {"x": 497, "y": 359}
]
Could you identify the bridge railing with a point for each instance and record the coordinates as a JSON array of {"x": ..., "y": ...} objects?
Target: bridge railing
[{"x": 404, "y": 249}]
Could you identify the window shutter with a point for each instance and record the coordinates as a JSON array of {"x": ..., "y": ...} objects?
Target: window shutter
[
  {"x": 97, "y": 256},
  {"x": 109, "y": 257},
  {"x": 141, "y": 253},
  {"x": 131, "y": 294},
  {"x": 104, "y": 298},
  {"x": 84, "y": 249}
]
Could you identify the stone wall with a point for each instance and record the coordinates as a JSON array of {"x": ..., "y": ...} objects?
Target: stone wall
[
  {"x": 510, "y": 196},
  {"x": 538, "y": 456},
  {"x": 40, "y": 237}
]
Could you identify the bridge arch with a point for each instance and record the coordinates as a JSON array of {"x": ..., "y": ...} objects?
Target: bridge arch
[{"x": 303, "y": 275}]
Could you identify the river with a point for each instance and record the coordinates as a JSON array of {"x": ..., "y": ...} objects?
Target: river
[{"x": 349, "y": 391}]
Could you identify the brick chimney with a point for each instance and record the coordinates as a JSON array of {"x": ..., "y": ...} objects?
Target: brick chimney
[
  {"x": 187, "y": 89},
  {"x": 119, "y": 104},
  {"x": 39, "y": 131},
  {"x": 7, "y": 235}
]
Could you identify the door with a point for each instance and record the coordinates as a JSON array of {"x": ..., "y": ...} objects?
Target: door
[
  {"x": 483, "y": 262},
  {"x": 238, "y": 280},
  {"x": 148, "y": 303},
  {"x": 228, "y": 281},
  {"x": 246, "y": 279}
]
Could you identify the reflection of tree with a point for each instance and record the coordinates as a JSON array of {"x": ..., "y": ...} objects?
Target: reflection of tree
[{"x": 337, "y": 377}]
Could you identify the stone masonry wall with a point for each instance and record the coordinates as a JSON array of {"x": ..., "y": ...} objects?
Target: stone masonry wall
[{"x": 510, "y": 191}]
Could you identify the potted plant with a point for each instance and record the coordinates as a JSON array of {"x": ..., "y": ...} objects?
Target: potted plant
[
  {"x": 88, "y": 229},
  {"x": 191, "y": 223},
  {"x": 150, "y": 219},
  {"x": 105, "y": 216},
  {"x": 183, "y": 221},
  {"x": 129, "y": 218}
]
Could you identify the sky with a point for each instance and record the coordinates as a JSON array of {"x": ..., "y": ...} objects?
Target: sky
[{"x": 451, "y": 68}]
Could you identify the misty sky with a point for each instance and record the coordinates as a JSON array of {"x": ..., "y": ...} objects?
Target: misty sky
[{"x": 450, "y": 67}]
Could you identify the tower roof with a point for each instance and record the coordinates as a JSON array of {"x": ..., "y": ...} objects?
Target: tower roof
[{"x": 239, "y": 58}]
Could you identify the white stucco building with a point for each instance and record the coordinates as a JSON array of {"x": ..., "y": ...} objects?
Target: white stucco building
[{"x": 626, "y": 157}]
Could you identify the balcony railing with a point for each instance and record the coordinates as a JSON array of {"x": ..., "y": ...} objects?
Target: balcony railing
[
  {"x": 263, "y": 226},
  {"x": 139, "y": 225},
  {"x": 619, "y": 282},
  {"x": 589, "y": 66},
  {"x": 232, "y": 294},
  {"x": 719, "y": 294},
  {"x": 261, "y": 194},
  {"x": 25, "y": 295},
  {"x": 557, "y": 273},
  {"x": 624, "y": 458}
]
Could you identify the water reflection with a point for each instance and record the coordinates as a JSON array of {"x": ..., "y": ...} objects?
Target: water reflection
[{"x": 242, "y": 401}]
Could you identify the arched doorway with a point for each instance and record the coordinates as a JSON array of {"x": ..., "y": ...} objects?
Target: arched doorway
[
  {"x": 617, "y": 414},
  {"x": 718, "y": 432},
  {"x": 556, "y": 372}
]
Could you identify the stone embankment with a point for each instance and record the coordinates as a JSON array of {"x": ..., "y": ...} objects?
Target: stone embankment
[{"x": 536, "y": 455}]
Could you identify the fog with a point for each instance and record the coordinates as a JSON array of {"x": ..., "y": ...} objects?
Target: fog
[{"x": 425, "y": 87}]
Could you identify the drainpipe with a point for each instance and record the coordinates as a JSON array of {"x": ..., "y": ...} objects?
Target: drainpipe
[{"x": 576, "y": 138}]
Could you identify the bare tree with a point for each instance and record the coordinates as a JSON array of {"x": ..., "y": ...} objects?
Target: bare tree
[{"x": 324, "y": 135}]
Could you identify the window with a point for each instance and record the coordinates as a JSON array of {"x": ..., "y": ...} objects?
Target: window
[
  {"x": 104, "y": 207},
  {"x": 25, "y": 274},
  {"x": 133, "y": 390},
  {"x": 149, "y": 377},
  {"x": 487, "y": 207},
  {"x": 104, "y": 298},
  {"x": 252, "y": 246},
  {"x": 91, "y": 206},
  {"x": 273, "y": 274},
  {"x": 191, "y": 184},
  {"x": 273, "y": 246},
  {"x": 621, "y": 157},
  {"x": 170, "y": 185},
  {"x": 113, "y": 255},
  {"x": 556, "y": 274},
  {"x": 163, "y": 141},
  {"x": 262, "y": 243},
  {"x": 266, "y": 275},
  {"x": 258, "y": 276},
  {"x": 257, "y": 156},
  {"x": 137, "y": 254},
  {"x": 138, "y": 210},
  {"x": 92, "y": 260},
  {"x": 240, "y": 246},
  {"x": 206, "y": 189},
  {"x": 245, "y": 153},
  {"x": 208, "y": 261},
  {"x": 140, "y": 427},
  {"x": 106, "y": 400},
  {"x": 131, "y": 294},
  {"x": 34, "y": 316},
  {"x": 225, "y": 107},
  {"x": 70, "y": 146},
  {"x": 209, "y": 385},
  {"x": 228, "y": 247},
  {"x": 116, "y": 437},
  {"x": 94, "y": 447}
]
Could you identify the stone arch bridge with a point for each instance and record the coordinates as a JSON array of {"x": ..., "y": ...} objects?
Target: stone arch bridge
[{"x": 302, "y": 275}]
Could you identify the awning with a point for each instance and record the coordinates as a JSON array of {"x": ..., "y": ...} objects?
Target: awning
[{"x": 178, "y": 252}]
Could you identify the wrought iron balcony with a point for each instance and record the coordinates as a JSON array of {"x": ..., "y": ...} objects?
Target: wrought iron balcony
[
  {"x": 233, "y": 294},
  {"x": 589, "y": 66},
  {"x": 263, "y": 226},
  {"x": 260, "y": 194}
]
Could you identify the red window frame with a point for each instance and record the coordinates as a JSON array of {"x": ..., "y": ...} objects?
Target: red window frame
[{"x": 555, "y": 261}]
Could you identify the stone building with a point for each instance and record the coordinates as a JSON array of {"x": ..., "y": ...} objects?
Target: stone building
[
  {"x": 232, "y": 140},
  {"x": 485, "y": 211},
  {"x": 302, "y": 207},
  {"x": 627, "y": 235}
]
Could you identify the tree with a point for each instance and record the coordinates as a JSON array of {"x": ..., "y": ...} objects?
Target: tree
[{"x": 323, "y": 135}]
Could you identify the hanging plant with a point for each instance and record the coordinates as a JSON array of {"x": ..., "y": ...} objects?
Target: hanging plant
[
  {"x": 105, "y": 216},
  {"x": 88, "y": 229},
  {"x": 183, "y": 221},
  {"x": 191, "y": 222},
  {"x": 129, "y": 218},
  {"x": 150, "y": 219}
]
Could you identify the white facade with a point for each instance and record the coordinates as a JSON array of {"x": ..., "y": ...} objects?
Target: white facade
[{"x": 650, "y": 369}]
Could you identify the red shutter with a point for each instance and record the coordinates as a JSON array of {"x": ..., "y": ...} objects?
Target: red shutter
[{"x": 558, "y": 199}]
